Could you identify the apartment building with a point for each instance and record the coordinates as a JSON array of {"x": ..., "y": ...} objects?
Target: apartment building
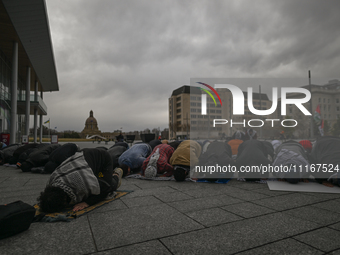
[{"x": 186, "y": 119}]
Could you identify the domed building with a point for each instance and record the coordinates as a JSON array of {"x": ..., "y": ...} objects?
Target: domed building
[{"x": 91, "y": 127}]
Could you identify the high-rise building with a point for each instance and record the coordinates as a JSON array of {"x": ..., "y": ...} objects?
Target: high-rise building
[{"x": 186, "y": 119}]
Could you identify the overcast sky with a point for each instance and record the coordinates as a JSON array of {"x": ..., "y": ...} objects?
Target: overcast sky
[{"x": 123, "y": 59}]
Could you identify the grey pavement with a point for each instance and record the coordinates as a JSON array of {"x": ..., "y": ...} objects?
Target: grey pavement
[{"x": 167, "y": 217}]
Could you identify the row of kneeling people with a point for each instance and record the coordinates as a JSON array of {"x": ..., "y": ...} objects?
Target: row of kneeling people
[{"x": 85, "y": 177}]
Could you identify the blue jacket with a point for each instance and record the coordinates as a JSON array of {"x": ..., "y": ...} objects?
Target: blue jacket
[{"x": 135, "y": 156}]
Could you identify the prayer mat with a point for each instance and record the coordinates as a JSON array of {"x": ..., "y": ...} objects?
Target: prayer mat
[
  {"x": 219, "y": 181},
  {"x": 68, "y": 214},
  {"x": 302, "y": 187}
]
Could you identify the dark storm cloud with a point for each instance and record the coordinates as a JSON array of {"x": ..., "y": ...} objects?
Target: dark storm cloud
[{"x": 122, "y": 59}]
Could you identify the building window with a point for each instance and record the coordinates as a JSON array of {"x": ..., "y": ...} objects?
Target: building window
[
  {"x": 192, "y": 104},
  {"x": 178, "y": 99},
  {"x": 192, "y": 98},
  {"x": 337, "y": 100},
  {"x": 193, "y": 122},
  {"x": 218, "y": 111},
  {"x": 324, "y": 100},
  {"x": 178, "y": 104},
  {"x": 212, "y": 111},
  {"x": 179, "y": 116},
  {"x": 319, "y": 100},
  {"x": 338, "y": 108},
  {"x": 192, "y": 110},
  {"x": 193, "y": 116},
  {"x": 178, "y": 110}
]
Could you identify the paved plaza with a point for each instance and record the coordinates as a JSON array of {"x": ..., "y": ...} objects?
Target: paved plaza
[{"x": 167, "y": 217}]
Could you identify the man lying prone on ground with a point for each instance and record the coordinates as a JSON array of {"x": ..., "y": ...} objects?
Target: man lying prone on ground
[
  {"x": 82, "y": 180},
  {"x": 292, "y": 155}
]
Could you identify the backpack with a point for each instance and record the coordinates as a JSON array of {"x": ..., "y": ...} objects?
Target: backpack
[{"x": 15, "y": 218}]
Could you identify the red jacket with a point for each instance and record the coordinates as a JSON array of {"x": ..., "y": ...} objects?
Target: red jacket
[{"x": 163, "y": 165}]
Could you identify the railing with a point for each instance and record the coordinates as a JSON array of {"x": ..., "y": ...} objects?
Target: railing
[{"x": 40, "y": 101}]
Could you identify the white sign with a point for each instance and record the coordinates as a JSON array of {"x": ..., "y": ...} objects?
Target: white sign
[
  {"x": 54, "y": 138},
  {"x": 25, "y": 139}
]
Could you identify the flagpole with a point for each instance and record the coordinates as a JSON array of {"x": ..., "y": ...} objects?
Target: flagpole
[
  {"x": 49, "y": 129},
  {"x": 311, "y": 107}
]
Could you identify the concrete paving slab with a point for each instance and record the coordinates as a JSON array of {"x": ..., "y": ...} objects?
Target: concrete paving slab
[
  {"x": 149, "y": 192},
  {"x": 31, "y": 199},
  {"x": 127, "y": 186},
  {"x": 113, "y": 206},
  {"x": 315, "y": 214},
  {"x": 324, "y": 239},
  {"x": 143, "y": 225},
  {"x": 16, "y": 193},
  {"x": 7, "y": 190},
  {"x": 247, "y": 185},
  {"x": 138, "y": 224},
  {"x": 209, "y": 190},
  {"x": 247, "y": 210},
  {"x": 271, "y": 193},
  {"x": 335, "y": 226},
  {"x": 323, "y": 196},
  {"x": 248, "y": 196},
  {"x": 172, "y": 197},
  {"x": 287, "y": 246},
  {"x": 148, "y": 248},
  {"x": 38, "y": 181},
  {"x": 13, "y": 183},
  {"x": 237, "y": 236},
  {"x": 147, "y": 184},
  {"x": 213, "y": 217},
  {"x": 2, "y": 179},
  {"x": 204, "y": 203},
  {"x": 288, "y": 201},
  {"x": 52, "y": 238},
  {"x": 187, "y": 185},
  {"x": 140, "y": 201},
  {"x": 333, "y": 205}
]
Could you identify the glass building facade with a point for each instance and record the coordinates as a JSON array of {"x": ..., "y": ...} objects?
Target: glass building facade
[{"x": 5, "y": 98}]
